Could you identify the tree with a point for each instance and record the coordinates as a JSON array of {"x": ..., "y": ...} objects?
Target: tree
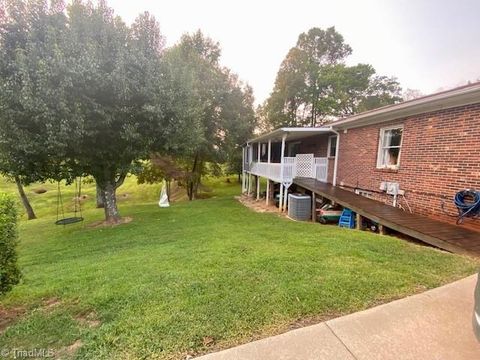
[
  {"x": 87, "y": 85},
  {"x": 411, "y": 94},
  {"x": 207, "y": 104},
  {"x": 25, "y": 28},
  {"x": 353, "y": 89},
  {"x": 313, "y": 84}
]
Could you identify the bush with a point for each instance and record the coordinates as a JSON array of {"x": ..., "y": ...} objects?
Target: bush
[{"x": 9, "y": 272}]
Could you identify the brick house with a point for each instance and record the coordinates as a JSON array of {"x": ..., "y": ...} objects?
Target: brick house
[{"x": 415, "y": 155}]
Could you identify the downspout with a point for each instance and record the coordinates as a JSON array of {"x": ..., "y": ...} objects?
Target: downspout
[{"x": 337, "y": 151}]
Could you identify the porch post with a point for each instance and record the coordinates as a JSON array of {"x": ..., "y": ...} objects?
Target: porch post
[
  {"x": 243, "y": 169},
  {"x": 267, "y": 197},
  {"x": 282, "y": 157},
  {"x": 258, "y": 177},
  {"x": 250, "y": 158}
]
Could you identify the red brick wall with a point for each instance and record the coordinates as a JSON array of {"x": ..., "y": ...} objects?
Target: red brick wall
[
  {"x": 440, "y": 155},
  {"x": 316, "y": 145}
]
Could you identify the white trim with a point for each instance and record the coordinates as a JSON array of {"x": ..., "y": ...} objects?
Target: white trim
[
  {"x": 461, "y": 96},
  {"x": 330, "y": 145},
  {"x": 381, "y": 147},
  {"x": 298, "y": 132}
]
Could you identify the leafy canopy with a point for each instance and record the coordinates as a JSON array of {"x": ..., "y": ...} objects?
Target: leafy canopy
[{"x": 314, "y": 85}]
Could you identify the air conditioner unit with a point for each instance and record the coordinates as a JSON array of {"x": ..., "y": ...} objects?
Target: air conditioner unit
[
  {"x": 393, "y": 188},
  {"x": 299, "y": 207}
]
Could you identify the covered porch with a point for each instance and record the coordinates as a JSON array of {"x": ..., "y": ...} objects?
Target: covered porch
[{"x": 285, "y": 154}]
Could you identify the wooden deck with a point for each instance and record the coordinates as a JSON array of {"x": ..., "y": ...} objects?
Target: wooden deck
[{"x": 445, "y": 236}]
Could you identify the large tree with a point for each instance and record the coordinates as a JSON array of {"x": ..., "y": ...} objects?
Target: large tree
[
  {"x": 314, "y": 85},
  {"x": 81, "y": 93},
  {"x": 211, "y": 109},
  {"x": 29, "y": 33}
]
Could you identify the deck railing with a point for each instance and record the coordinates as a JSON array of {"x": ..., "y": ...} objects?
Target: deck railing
[{"x": 316, "y": 168}]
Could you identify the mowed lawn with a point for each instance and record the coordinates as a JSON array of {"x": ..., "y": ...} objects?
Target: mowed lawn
[{"x": 200, "y": 276}]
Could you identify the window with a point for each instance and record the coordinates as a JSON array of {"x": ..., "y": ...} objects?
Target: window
[
  {"x": 332, "y": 146},
  {"x": 389, "y": 147}
]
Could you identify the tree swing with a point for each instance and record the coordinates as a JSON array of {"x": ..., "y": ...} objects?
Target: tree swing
[{"x": 77, "y": 207}]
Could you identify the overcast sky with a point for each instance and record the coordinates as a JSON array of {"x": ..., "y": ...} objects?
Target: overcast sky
[{"x": 427, "y": 44}]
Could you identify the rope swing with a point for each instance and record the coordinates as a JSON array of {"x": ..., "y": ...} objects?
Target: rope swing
[{"x": 77, "y": 206}]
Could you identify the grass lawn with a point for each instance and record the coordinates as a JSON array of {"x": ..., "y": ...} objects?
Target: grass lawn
[{"x": 199, "y": 276}]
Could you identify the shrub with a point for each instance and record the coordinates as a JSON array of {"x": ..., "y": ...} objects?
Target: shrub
[{"x": 9, "y": 272}]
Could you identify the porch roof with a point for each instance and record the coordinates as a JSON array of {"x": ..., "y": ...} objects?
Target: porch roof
[{"x": 293, "y": 133}]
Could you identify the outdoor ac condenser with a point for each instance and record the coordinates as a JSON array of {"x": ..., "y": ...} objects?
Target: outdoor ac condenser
[{"x": 299, "y": 207}]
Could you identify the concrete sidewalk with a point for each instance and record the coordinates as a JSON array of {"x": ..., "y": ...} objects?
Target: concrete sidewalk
[{"x": 436, "y": 324}]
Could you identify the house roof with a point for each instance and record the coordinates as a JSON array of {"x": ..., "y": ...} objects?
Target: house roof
[
  {"x": 463, "y": 95},
  {"x": 293, "y": 133}
]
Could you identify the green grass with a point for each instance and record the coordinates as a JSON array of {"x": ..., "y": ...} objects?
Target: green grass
[{"x": 211, "y": 268}]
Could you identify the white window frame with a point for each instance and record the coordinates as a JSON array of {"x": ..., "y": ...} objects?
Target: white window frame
[
  {"x": 330, "y": 145},
  {"x": 381, "y": 147}
]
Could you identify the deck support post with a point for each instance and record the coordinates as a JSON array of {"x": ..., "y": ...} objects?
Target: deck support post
[
  {"x": 280, "y": 200},
  {"x": 271, "y": 192},
  {"x": 249, "y": 190},
  {"x": 285, "y": 200},
  {"x": 258, "y": 187},
  {"x": 267, "y": 192},
  {"x": 314, "y": 207},
  {"x": 358, "y": 221},
  {"x": 381, "y": 229}
]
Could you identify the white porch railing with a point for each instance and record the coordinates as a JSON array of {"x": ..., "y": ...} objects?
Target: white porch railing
[
  {"x": 302, "y": 165},
  {"x": 321, "y": 169}
]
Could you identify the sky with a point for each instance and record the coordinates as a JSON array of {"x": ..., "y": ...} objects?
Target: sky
[{"x": 428, "y": 45}]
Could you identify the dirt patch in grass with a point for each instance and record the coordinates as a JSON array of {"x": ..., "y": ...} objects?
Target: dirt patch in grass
[
  {"x": 257, "y": 205},
  {"x": 39, "y": 190},
  {"x": 89, "y": 320},
  {"x": 103, "y": 223},
  {"x": 68, "y": 351},
  {"x": 9, "y": 316},
  {"x": 51, "y": 303}
]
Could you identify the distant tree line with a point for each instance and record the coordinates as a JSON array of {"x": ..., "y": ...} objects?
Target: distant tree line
[
  {"x": 314, "y": 85},
  {"x": 83, "y": 93}
]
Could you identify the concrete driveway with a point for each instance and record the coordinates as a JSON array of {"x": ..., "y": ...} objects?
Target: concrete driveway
[{"x": 436, "y": 324}]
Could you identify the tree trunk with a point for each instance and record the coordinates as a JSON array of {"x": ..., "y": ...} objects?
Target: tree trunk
[
  {"x": 25, "y": 202},
  {"x": 99, "y": 197},
  {"x": 169, "y": 187},
  {"x": 191, "y": 187},
  {"x": 112, "y": 216}
]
